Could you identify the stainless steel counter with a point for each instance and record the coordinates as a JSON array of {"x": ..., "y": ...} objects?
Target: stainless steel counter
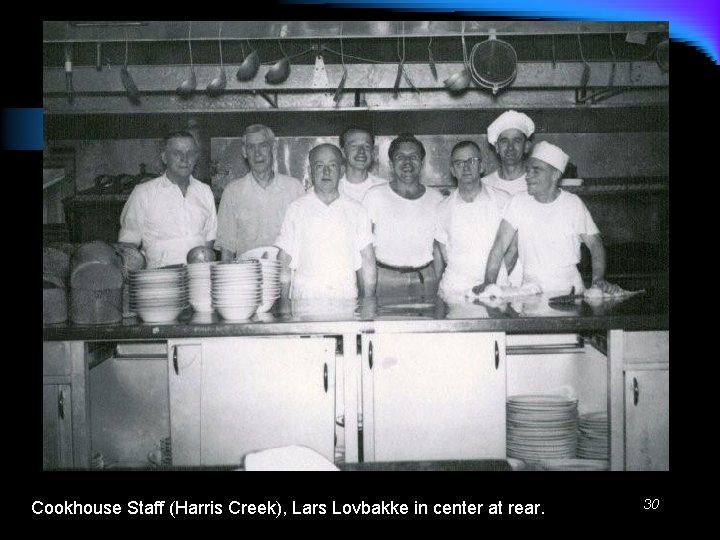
[{"x": 534, "y": 314}]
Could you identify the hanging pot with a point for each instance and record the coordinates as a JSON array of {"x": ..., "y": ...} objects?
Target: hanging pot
[
  {"x": 249, "y": 68},
  {"x": 279, "y": 72},
  {"x": 493, "y": 64}
]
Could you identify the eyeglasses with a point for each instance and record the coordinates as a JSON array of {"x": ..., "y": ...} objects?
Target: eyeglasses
[
  {"x": 319, "y": 167},
  {"x": 459, "y": 163}
]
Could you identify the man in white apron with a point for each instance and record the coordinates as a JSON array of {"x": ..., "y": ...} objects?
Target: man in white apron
[
  {"x": 467, "y": 223},
  {"x": 550, "y": 224},
  {"x": 326, "y": 238},
  {"x": 168, "y": 216}
]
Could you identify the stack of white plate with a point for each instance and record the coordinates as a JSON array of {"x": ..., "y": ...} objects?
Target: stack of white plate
[
  {"x": 593, "y": 436},
  {"x": 160, "y": 294},
  {"x": 200, "y": 286},
  {"x": 270, "y": 283},
  {"x": 236, "y": 289},
  {"x": 541, "y": 426}
]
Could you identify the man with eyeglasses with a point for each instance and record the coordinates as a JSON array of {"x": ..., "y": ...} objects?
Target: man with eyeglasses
[
  {"x": 168, "y": 216},
  {"x": 326, "y": 238},
  {"x": 252, "y": 207},
  {"x": 403, "y": 213},
  {"x": 467, "y": 223},
  {"x": 359, "y": 148}
]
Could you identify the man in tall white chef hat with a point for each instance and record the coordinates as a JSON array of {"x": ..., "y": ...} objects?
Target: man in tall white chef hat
[{"x": 550, "y": 224}]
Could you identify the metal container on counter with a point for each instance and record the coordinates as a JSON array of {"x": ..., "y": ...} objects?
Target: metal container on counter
[{"x": 96, "y": 284}]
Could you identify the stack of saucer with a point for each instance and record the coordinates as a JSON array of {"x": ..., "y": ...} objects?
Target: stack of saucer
[
  {"x": 593, "y": 436},
  {"x": 200, "y": 286},
  {"x": 160, "y": 294},
  {"x": 236, "y": 289}
]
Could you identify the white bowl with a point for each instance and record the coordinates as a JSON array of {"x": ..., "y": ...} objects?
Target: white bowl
[
  {"x": 202, "y": 307},
  {"x": 236, "y": 313},
  {"x": 159, "y": 315}
]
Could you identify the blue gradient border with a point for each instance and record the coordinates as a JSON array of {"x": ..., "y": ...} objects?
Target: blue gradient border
[
  {"x": 694, "y": 21},
  {"x": 22, "y": 129}
]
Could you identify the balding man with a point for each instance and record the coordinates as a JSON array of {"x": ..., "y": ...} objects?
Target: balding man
[
  {"x": 550, "y": 224},
  {"x": 326, "y": 238},
  {"x": 252, "y": 207}
]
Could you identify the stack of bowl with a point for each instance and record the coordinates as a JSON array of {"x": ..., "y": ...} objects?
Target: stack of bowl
[
  {"x": 160, "y": 294},
  {"x": 236, "y": 289},
  {"x": 270, "y": 283},
  {"x": 200, "y": 286}
]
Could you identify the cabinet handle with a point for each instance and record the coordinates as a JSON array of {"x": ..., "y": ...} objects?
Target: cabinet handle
[
  {"x": 325, "y": 377},
  {"x": 175, "y": 362},
  {"x": 636, "y": 391},
  {"x": 61, "y": 405},
  {"x": 370, "y": 355},
  {"x": 497, "y": 356}
]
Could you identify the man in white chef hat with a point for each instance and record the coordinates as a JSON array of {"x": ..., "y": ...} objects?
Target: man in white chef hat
[
  {"x": 550, "y": 224},
  {"x": 509, "y": 134}
]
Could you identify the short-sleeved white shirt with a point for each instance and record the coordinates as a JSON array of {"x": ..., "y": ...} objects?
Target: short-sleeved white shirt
[
  {"x": 404, "y": 228},
  {"x": 468, "y": 230},
  {"x": 324, "y": 242},
  {"x": 167, "y": 224},
  {"x": 549, "y": 236},
  {"x": 511, "y": 187},
  {"x": 250, "y": 216},
  {"x": 357, "y": 191}
]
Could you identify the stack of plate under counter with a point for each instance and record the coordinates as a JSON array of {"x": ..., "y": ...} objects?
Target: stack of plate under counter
[
  {"x": 160, "y": 294},
  {"x": 593, "y": 436},
  {"x": 236, "y": 289},
  {"x": 541, "y": 426}
]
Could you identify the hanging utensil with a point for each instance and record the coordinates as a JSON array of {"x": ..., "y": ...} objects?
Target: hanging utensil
[
  {"x": 280, "y": 71},
  {"x": 585, "y": 77},
  {"x": 69, "y": 90},
  {"x": 433, "y": 69},
  {"x": 338, "y": 92},
  {"x": 460, "y": 80},
  {"x": 187, "y": 87},
  {"x": 130, "y": 87},
  {"x": 98, "y": 56},
  {"x": 217, "y": 85},
  {"x": 250, "y": 66},
  {"x": 398, "y": 77},
  {"x": 611, "y": 82}
]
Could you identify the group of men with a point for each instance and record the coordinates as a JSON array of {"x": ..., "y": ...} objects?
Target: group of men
[{"x": 353, "y": 233}]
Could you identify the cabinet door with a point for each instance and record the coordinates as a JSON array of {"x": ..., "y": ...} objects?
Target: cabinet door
[
  {"x": 57, "y": 426},
  {"x": 231, "y": 396},
  {"x": 647, "y": 412},
  {"x": 433, "y": 396}
]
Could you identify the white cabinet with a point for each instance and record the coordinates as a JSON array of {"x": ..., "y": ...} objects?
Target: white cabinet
[
  {"x": 231, "y": 396},
  {"x": 433, "y": 396},
  {"x": 647, "y": 414}
]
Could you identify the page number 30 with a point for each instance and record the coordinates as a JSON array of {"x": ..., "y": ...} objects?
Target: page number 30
[{"x": 651, "y": 504}]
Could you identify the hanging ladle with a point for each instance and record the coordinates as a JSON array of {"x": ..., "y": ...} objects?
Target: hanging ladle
[
  {"x": 341, "y": 85},
  {"x": 128, "y": 82},
  {"x": 249, "y": 68},
  {"x": 187, "y": 87},
  {"x": 460, "y": 80},
  {"x": 280, "y": 71},
  {"x": 217, "y": 85}
]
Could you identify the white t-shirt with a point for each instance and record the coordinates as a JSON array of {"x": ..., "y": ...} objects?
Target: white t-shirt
[
  {"x": 357, "y": 191},
  {"x": 511, "y": 187},
  {"x": 404, "y": 229},
  {"x": 167, "y": 224},
  {"x": 549, "y": 238},
  {"x": 324, "y": 242},
  {"x": 468, "y": 230}
]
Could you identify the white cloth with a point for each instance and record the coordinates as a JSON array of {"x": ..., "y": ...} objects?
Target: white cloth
[
  {"x": 250, "y": 216},
  {"x": 510, "y": 120},
  {"x": 550, "y": 154},
  {"x": 468, "y": 230},
  {"x": 357, "y": 191},
  {"x": 165, "y": 224},
  {"x": 404, "y": 229},
  {"x": 324, "y": 242},
  {"x": 549, "y": 239}
]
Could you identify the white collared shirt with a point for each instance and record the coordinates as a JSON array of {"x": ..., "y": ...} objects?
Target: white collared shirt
[
  {"x": 511, "y": 187},
  {"x": 324, "y": 242},
  {"x": 166, "y": 224}
]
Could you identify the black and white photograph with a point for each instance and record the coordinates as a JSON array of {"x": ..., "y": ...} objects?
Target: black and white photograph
[{"x": 338, "y": 245}]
